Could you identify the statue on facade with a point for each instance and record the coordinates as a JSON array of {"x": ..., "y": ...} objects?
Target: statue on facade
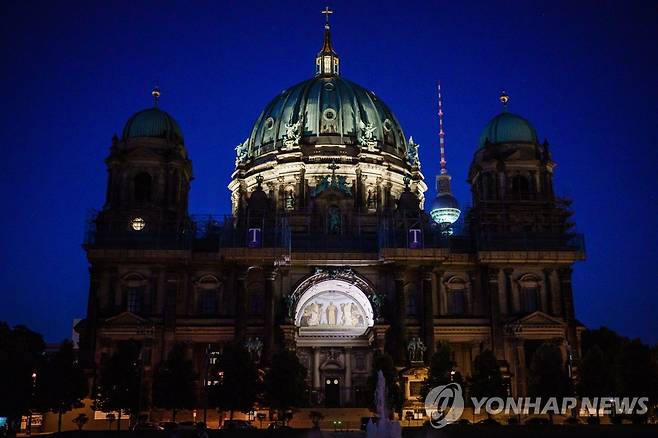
[
  {"x": 292, "y": 135},
  {"x": 412, "y": 152},
  {"x": 241, "y": 152},
  {"x": 416, "y": 350},
  {"x": 255, "y": 348},
  {"x": 290, "y": 200},
  {"x": 334, "y": 221},
  {"x": 332, "y": 313},
  {"x": 367, "y": 138}
]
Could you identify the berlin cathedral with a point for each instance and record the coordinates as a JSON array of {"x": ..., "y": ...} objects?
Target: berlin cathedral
[{"x": 329, "y": 250}]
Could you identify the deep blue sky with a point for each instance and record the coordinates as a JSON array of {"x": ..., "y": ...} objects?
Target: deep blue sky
[{"x": 583, "y": 72}]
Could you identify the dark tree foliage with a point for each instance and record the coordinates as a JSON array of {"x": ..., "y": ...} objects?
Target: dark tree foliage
[
  {"x": 285, "y": 382},
  {"x": 21, "y": 353},
  {"x": 486, "y": 379},
  {"x": 394, "y": 396},
  {"x": 596, "y": 374},
  {"x": 614, "y": 365},
  {"x": 237, "y": 375},
  {"x": 118, "y": 385},
  {"x": 62, "y": 383},
  {"x": 440, "y": 369},
  {"x": 548, "y": 376},
  {"x": 174, "y": 385}
]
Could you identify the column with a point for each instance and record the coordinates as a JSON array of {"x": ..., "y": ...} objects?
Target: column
[
  {"x": 400, "y": 316},
  {"x": 240, "y": 292},
  {"x": 511, "y": 291},
  {"x": 270, "y": 276},
  {"x": 348, "y": 375},
  {"x": 492, "y": 275},
  {"x": 428, "y": 311},
  {"x": 316, "y": 368},
  {"x": 569, "y": 312}
]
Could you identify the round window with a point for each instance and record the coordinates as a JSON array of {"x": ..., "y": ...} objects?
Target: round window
[
  {"x": 387, "y": 125},
  {"x": 329, "y": 114},
  {"x": 269, "y": 123},
  {"x": 138, "y": 224},
  {"x": 329, "y": 86}
]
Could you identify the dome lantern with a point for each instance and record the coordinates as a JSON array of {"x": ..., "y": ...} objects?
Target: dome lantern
[{"x": 326, "y": 62}]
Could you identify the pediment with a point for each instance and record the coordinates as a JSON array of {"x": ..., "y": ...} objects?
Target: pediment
[
  {"x": 538, "y": 318},
  {"x": 127, "y": 319}
]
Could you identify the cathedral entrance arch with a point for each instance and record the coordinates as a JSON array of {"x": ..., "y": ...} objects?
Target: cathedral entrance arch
[{"x": 334, "y": 313}]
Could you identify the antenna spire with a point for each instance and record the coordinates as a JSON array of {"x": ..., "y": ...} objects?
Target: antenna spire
[{"x": 442, "y": 142}]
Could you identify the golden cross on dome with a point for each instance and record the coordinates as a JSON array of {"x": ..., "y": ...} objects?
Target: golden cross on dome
[{"x": 326, "y": 13}]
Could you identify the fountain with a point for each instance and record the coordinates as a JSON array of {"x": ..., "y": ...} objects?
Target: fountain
[{"x": 384, "y": 428}]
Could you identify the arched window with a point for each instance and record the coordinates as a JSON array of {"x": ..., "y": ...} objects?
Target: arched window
[
  {"x": 520, "y": 186},
  {"x": 135, "y": 287},
  {"x": 257, "y": 303},
  {"x": 142, "y": 184},
  {"x": 208, "y": 300},
  {"x": 529, "y": 287},
  {"x": 412, "y": 304},
  {"x": 488, "y": 186},
  {"x": 134, "y": 300},
  {"x": 208, "y": 295},
  {"x": 456, "y": 289}
]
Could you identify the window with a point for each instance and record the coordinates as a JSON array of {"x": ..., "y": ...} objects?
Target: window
[
  {"x": 520, "y": 186},
  {"x": 208, "y": 302},
  {"x": 415, "y": 388},
  {"x": 529, "y": 299},
  {"x": 257, "y": 304},
  {"x": 134, "y": 300},
  {"x": 412, "y": 304},
  {"x": 488, "y": 186},
  {"x": 456, "y": 301},
  {"x": 142, "y": 184}
]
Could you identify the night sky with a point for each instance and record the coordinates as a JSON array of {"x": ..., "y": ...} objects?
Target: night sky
[{"x": 585, "y": 73}]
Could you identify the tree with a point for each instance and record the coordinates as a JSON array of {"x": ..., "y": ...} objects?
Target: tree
[
  {"x": 486, "y": 379},
  {"x": 394, "y": 396},
  {"x": 21, "y": 353},
  {"x": 596, "y": 376},
  {"x": 237, "y": 375},
  {"x": 119, "y": 381},
  {"x": 548, "y": 377},
  {"x": 174, "y": 382},
  {"x": 441, "y": 369},
  {"x": 81, "y": 420},
  {"x": 63, "y": 384},
  {"x": 285, "y": 382}
]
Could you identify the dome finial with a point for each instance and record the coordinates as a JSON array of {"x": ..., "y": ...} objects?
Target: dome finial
[
  {"x": 156, "y": 95},
  {"x": 326, "y": 63},
  {"x": 504, "y": 99},
  {"x": 327, "y": 12}
]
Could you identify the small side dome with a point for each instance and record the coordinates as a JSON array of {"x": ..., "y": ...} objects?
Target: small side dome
[
  {"x": 155, "y": 123},
  {"x": 508, "y": 128},
  {"x": 408, "y": 202}
]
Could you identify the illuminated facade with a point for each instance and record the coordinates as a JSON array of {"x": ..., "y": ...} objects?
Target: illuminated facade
[{"x": 328, "y": 250}]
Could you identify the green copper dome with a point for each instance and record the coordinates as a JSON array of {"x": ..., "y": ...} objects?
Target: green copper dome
[
  {"x": 326, "y": 109},
  {"x": 153, "y": 122},
  {"x": 508, "y": 128}
]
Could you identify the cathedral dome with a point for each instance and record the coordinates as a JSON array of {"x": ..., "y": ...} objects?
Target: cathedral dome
[
  {"x": 508, "y": 128},
  {"x": 153, "y": 122},
  {"x": 326, "y": 109}
]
